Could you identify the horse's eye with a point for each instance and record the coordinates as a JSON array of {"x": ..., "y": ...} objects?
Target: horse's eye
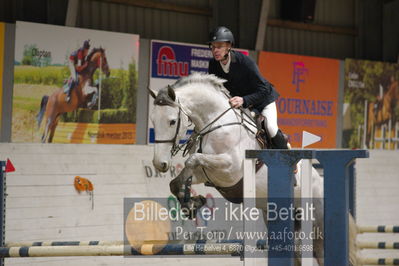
[{"x": 172, "y": 122}]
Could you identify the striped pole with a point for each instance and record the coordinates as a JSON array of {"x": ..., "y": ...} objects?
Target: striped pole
[
  {"x": 233, "y": 249},
  {"x": 110, "y": 243},
  {"x": 62, "y": 251},
  {"x": 379, "y": 229},
  {"x": 379, "y": 261},
  {"x": 63, "y": 243},
  {"x": 377, "y": 245}
]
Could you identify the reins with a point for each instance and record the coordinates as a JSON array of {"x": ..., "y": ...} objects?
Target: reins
[{"x": 198, "y": 136}]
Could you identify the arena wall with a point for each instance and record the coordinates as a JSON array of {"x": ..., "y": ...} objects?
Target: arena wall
[{"x": 42, "y": 203}]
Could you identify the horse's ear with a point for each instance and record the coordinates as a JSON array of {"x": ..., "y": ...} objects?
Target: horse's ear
[
  {"x": 171, "y": 93},
  {"x": 152, "y": 93}
]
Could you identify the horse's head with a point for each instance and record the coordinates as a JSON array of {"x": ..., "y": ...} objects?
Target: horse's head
[
  {"x": 97, "y": 56},
  {"x": 170, "y": 125}
]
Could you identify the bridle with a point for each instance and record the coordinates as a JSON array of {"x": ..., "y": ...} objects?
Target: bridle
[
  {"x": 175, "y": 147},
  {"x": 197, "y": 136}
]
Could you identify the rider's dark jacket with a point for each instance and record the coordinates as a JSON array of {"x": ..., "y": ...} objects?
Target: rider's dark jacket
[
  {"x": 245, "y": 80},
  {"x": 78, "y": 59}
]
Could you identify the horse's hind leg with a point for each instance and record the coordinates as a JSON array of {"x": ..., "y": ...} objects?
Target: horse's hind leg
[
  {"x": 52, "y": 129},
  {"x": 46, "y": 130}
]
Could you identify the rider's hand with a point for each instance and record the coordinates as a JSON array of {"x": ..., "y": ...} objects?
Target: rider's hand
[{"x": 236, "y": 101}]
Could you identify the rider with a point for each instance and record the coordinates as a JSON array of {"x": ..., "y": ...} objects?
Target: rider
[
  {"x": 245, "y": 83},
  {"x": 77, "y": 63}
]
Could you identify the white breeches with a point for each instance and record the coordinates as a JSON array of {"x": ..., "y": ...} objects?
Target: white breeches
[
  {"x": 73, "y": 70},
  {"x": 270, "y": 112}
]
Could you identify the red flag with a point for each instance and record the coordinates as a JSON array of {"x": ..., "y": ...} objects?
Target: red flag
[{"x": 9, "y": 166}]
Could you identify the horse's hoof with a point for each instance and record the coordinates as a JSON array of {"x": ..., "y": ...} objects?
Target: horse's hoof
[
  {"x": 192, "y": 206},
  {"x": 199, "y": 201}
]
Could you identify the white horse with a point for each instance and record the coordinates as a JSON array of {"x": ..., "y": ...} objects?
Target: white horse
[{"x": 222, "y": 134}]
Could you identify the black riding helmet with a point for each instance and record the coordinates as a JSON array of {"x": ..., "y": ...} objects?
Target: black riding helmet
[
  {"x": 221, "y": 34},
  {"x": 86, "y": 44}
]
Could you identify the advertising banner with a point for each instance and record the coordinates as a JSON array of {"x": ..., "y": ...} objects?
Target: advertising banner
[
  {"x": 97, "y": 69},
  {"x": 308, "y": 88},
  {"x": 371, "y": 108},
  {"x": 2, "y": 28},
  {"x": 171, "y": 61}
]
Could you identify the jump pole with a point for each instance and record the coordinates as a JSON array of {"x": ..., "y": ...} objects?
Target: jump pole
[
  {"x": 233, "y": 249},
  {"x": 112, "y": 243}
]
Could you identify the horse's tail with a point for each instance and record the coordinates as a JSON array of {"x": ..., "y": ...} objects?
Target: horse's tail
[{"x": 43, "y": 105}]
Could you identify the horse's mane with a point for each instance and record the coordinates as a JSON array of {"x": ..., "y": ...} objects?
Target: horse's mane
[
  {"x": 93, "y": 51},
  {"x": 210, "y": 79},
  {"x": 216, "y": 83}
]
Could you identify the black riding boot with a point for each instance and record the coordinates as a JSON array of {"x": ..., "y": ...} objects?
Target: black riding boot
[
  {"x": 68, "y": 96},
  {"x": 68, "y": 93},
  {"x": 279, "y": 141}
]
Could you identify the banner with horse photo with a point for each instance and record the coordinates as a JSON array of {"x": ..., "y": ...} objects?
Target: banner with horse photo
[
  {"x": 371, "y": 105},
  {"x": 74, "y": 85},
  {"x": 308, "y": 88}
]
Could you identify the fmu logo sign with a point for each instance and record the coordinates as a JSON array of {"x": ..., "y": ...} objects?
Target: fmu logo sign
[
  {"x": 168, "y": 66},
  {"x": 173, "y": 61}
]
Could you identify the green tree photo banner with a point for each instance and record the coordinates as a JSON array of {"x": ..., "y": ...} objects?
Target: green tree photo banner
[{"x": 102, "y": 80}]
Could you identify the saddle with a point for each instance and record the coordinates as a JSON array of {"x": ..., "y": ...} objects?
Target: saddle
[
  {"x": 264, "y": 139},
  {"x": 262, "y": 136}
]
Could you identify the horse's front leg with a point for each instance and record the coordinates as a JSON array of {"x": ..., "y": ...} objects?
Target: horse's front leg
[
  {"x": 177, "y": 185},
  {"x": 181, "y": 188},
  {"x": 181, "y": 185},
  {"x": 216, "y": 162},
  {"x": 91, "y": 90},
  {"x": 209, "y": 161}
]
